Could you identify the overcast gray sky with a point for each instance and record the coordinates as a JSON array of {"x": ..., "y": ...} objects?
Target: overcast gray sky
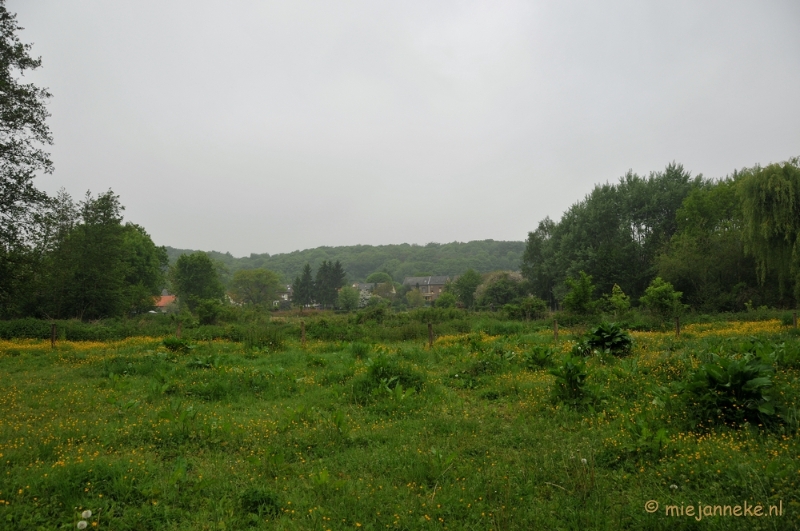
[{"x": 254, "y": 126}]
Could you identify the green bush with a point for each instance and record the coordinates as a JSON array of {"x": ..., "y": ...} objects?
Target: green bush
[
  {"x": 580, "y": 300},
  {"x": 359, "y": 350},
  {"x": 539, "y": 357},
  {"x": 570, "y": 386},
  {"x": 385, "y": 372},
  {"x": 609, "y": 337},
  {"x": 729, "y": 391},
  {"x": 176, "y": 344},
  {"x": 662, "y": 299}
]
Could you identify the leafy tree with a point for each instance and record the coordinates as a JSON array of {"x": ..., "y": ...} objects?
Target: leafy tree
[
  {"x": 145, "y": 267},
  {"x": 256, "y": 287},
  {"x": 614, "y": 234},
  {"x": 195, "y": 278},
  {"x": 415, "y": 298},
  {"x": 23, "y": 133},
  {"x": 445, "y": 300},
  {"x": 303, "y": 288},
  {"x": 379, "y": 277},
  {"x": 579, "y": 299},
  {"x": 706, "y": 258},
  {"x": 499, "y": 288},
  {"x": 617, "y": 301},
  {"x": 465, "y": 285},
  {"x": 93, "y": 266},
  {"x": 771, "y": 207},
  {"x": 662, "y": 299},
  {"x": 348, "y": 298},
  {"x": 330, "y": 277}
]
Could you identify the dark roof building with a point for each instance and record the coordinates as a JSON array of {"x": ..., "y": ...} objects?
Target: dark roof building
[{"x": 430, "y": 287}]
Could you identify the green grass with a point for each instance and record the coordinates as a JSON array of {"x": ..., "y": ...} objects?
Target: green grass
[{"x": 335, "y": 435}]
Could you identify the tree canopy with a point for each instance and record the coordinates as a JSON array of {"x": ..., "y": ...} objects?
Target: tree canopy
[{"x": 196, "y": 279}]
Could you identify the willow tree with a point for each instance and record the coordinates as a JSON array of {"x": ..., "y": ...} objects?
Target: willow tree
[{"x": 771, "y": 207}]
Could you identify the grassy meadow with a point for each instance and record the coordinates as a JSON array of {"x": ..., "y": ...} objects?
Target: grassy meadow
[{"x": 468, "y": 434}]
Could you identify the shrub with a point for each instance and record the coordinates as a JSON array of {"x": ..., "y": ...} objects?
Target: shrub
[
  {"x": 609, "y": 337},
  {"x": 359, "y": 350},
  {"x": 176, "y": 344},
  {"x": 579, "y": 299},
  {"x": 729, "y": 391},
  {"x": 662, "y": 299},
  {"x": 570, "y": 385},
  {"x": 539, "y": 357},
  {"x": 387, "y": 374}
]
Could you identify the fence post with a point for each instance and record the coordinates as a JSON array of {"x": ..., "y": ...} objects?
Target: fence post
[
  {"x": 303, "y": 333},
  {"x": 52, "y": 335},
  {"x": 178, "y": 330},
  {"x": 677, "y": 326},
  {"x": 430, "y": 335},
  {"x": 555, "y": 329},
  {"x": 794, "y": 318}
]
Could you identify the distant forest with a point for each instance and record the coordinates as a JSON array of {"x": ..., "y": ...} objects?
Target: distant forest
[{"x": 399, "y": 261}]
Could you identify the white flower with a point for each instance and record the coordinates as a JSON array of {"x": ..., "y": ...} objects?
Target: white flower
[
  {"x": 673, "y": 487},
  {"x": 86, "y": 514},
  {"x": 82, "y": 524},
  {"x": 583, "y": 461}
]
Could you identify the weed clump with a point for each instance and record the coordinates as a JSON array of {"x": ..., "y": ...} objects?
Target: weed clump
[
  {"x": 385, "y": 375},
  {"x": 359, "y": 350},
  {"x": 260, "y": 502},
  {"x": 540, "y": 357},
  {"x": 570, "y": 387}
]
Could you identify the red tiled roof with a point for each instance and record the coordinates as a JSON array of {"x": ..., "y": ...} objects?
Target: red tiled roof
[{"x": 165, "y": 300}]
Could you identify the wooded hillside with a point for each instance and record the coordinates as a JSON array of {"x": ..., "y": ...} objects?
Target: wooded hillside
[{"x": 398, "y": 260}]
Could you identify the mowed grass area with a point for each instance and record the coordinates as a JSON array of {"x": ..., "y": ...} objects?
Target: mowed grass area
[{"x": 333, "y": 435}]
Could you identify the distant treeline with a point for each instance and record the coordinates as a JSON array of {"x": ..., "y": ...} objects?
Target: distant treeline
[{"x": 399, "y": 261}]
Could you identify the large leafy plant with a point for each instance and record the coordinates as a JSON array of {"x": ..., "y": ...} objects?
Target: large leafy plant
[
  {"x": 610, "y": 338},
  {"x": 730, "y": 391}
]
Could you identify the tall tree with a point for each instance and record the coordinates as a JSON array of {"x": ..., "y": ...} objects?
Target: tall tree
[
  {"x": 256, "y": 287},
  {"x": 330, "y": 277},
  {"x": 196, "y": 279},
  {"x": 614, "y": 234},
  {"x": 91, "y": 265},
  {"x": 771, "y": 207},
  {"x": 706, "y": 260},
  {"x": 465, "y": 285},
  {"x": 23, "y": 135},
  {"x": 303, "y": 287}
]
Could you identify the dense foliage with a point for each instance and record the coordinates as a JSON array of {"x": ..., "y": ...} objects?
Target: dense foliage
[{"x": 724, "y": 245}]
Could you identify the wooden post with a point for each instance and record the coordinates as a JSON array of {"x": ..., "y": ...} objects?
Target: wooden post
[
  {"x": 794, "y": 318},
  {"x": 677, "y": 327},
  {"x": 52, "y": 335},
  {"x": 555, "y": 329},
  {"x": 178, "y": 330},
  {"x": 303, "y": 333},
  {"x": 430, "y": 335}
]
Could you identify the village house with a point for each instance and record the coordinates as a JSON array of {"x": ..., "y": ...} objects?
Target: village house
[{"x": 430, "y": 287}]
